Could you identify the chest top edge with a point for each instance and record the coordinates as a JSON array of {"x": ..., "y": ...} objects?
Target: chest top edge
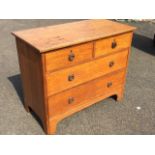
[{"x": 50, "y": 38}]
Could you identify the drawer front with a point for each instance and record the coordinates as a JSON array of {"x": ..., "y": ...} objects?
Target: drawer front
[
  {"x": 109, "y": 45},
  {"x": 67, "y": 78},
  {"x": 68, "y": 56},
  {"x": 83, "y": 94}
]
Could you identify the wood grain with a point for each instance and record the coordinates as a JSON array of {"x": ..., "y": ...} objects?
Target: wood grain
[
  {"x": 53, "y": 121},
  {"x": 54, "y": 37},
  {"x": 84, "y": 93},
  {"x": 58, "y": 81},
  {"x": 104, "y": 46},
  {"x": 32, "y": 79},
  {"x": 56, "y": 86},
  {"x": 59, "y": 59}
]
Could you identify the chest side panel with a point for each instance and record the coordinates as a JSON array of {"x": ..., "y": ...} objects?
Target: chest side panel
[{"x": 32, "y": 78}]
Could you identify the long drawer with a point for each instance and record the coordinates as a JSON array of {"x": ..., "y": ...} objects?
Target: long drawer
[
  {"x": 83, "y": 94},
  {"x": 70, "y": 77}
]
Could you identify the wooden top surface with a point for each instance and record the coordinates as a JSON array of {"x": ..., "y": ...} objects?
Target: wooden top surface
[{"x": 58, "y": 36}]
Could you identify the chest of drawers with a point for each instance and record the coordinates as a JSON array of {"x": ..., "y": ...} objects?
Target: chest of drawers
[{"x": 68, "y": 67}]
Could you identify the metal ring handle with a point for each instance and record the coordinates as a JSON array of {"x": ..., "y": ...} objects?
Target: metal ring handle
[
  {"x": 70, "y": 100},
  {"x": 109, "y": 84},
  {"x": 111, "y": 63},
  {"x": 71, "y": 56},
  {"x": 71, "y": 77},
  {"x": 114, "y": 44}
]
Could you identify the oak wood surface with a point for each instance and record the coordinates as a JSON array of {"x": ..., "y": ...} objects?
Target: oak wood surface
[
  {"x": 60, "y": 103},
  {"x": 54, "y": 37},
  {"x": 32, "y": 79},
  {"x": 58, "y": 81},
  {"x": 104, "y": 46},
  {"x": 60, "y": 58},
  {"x": 56, "y": 86}
]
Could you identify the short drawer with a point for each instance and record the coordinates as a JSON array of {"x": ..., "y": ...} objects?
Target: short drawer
[
  {"x": 73, "y": 76},
  {"x": 86, "y": 93},
  {"x": 67, "y": 57},
  {"x": 109, "y": 45}
]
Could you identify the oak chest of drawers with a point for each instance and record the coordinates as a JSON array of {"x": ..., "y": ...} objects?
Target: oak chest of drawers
[{"x": 68, "y": 67}]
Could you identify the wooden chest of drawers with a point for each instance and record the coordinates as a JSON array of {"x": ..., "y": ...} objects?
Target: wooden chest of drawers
[{"x": 68, "y": 67}]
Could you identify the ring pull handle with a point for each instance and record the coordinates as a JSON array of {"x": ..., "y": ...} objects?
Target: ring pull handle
[
  {"x": 70, "y": 100},
  {"x": 109, "y": 84},
  {"x": 71, "y": 77},
  {"x": 114, "y": 44},
  {"x": 71, "y": 56},
  {"x": 111, "y": 63}
]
